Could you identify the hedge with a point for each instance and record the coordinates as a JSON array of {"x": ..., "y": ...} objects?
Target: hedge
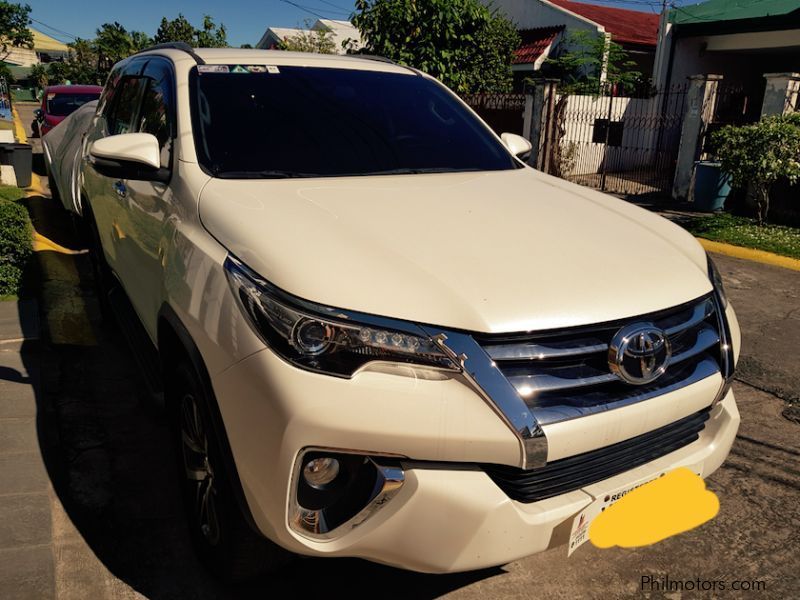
[{"x": 16, "y": 245}]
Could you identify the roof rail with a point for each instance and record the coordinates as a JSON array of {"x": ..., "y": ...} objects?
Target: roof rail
[
  {"x": 374, "y": 57},
  {"x": 183, "y": 46}
]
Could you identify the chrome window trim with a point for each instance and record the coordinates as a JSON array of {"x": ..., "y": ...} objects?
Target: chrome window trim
[{"x": 311, "y": 525}]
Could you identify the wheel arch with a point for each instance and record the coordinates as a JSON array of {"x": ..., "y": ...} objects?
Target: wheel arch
[{"x": 175, "y": 344}]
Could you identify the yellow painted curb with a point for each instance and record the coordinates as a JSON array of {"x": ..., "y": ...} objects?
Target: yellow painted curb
[
  {"x": 19, "y": 128},
  {"x": 35, "y": 188},
  {"x": 760, "y": 256}
]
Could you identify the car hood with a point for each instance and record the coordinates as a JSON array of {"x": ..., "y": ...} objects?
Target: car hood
[{"x": 494, "y": 251}]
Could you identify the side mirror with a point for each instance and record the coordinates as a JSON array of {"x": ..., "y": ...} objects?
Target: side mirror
[
  {"x": 129, "y": 156},
  {"x": 518, "y": 145},
  {"x": 38, "y": 114}
]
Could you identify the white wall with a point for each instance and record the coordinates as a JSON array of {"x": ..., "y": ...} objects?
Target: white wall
[
  {"x": 529, "y": 14},
  {"x": 642, "y": 136}
]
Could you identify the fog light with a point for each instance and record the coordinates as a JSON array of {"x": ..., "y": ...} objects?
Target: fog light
[{"x": 319, "y": 472}]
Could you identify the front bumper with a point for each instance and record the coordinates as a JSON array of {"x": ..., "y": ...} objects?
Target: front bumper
[{"x": 443, "y": 519}]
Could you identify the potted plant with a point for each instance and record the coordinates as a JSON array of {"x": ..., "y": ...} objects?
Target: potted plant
[{"x": 760, "y": 154}]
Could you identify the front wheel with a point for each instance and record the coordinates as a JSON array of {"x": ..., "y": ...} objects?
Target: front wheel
[{"x": 225, "y": 542}]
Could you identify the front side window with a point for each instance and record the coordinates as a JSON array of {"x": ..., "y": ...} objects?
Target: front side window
[
  {"x": 321, "y": 122},
  {"x": 156, "y": 114},
  {"x": 122, "y": 118}
]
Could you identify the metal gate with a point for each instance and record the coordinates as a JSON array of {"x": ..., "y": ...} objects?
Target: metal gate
[
  {"x": 620, "y": 144},
  {"x": 502, "y": 112}
]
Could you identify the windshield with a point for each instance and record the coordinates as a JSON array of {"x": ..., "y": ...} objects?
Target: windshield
[
  {"x": 62, "y": 105},
  {"x": 275, "y": 122}
]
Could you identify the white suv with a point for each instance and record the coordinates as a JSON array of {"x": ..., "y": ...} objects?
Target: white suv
[{"x": 379, "y": 333}]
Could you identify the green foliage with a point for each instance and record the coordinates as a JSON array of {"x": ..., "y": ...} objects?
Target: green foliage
[
  {"x": 740, "y": 231},
  {"x": 580, "y": 59},
  {"x": 40, "y": 76},
  {"x": 760, "y": 154},
  {"x": 6, "y": 74},
  {"x": 16, "y": 245},
  {"x": 461, "y": 42},
  {"x": 14, "y": 21},
  {"x": 181, "y": 30},
  {"x": 310, "y": 40},
  {"x": 111, "y": 44}
]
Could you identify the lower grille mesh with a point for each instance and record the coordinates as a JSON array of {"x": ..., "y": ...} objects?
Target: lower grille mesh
[{"x": 578, "y": 471}]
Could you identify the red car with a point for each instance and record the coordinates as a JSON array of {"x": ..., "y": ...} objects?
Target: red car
[{"x": 59, "y": 101}]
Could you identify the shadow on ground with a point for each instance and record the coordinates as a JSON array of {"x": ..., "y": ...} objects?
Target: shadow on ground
[{"x": 110, "y": 458}]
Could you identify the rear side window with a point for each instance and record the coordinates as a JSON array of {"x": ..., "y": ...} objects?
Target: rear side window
[{"x": 125, "y": 109}]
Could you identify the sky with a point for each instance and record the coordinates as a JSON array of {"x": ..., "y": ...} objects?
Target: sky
[{"x": 245, "y": 20}]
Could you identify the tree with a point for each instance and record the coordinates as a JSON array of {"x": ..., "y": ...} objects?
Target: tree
[
  {"x": 246, "y": 46},
  {"x": 112, "y": 44},
  {"x": 14, "y": 21},
  {"x": 211, "y": 35},
  {"x": 6, "y": 73},
  {"x": 319, "y": 41},
  {"x": 56, "y": 73},
  {"x": 181, "y": 30},
  {"x": 580, "y": 60},
  {"x": 176, "y": 30},
  {"x": 140, "y": 40},
  {"x": 461, "y": 42},
  {"x": 759, "y": 155},
  {"x": 39, "y": 76}
]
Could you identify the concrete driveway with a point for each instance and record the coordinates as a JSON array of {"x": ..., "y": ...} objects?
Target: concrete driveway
[{"x": 118, "y": 529}]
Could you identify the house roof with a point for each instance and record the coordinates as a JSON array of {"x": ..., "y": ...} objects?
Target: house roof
[
  {"x": 731, "y": 10},
  {"x": 625, "y": 26},
  {"x": 535, "y": 42},
  {"x": 44, "y": 43}
]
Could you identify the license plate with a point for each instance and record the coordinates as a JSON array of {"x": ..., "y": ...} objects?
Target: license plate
[{"x": 579, "y": 534}]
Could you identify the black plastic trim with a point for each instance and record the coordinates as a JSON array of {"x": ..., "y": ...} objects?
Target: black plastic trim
[
  {"x": 587, "y": 468},
  {"x": 182, "y": 46}
]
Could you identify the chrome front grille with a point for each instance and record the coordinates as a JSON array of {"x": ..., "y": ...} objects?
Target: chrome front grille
[{"x": 565, "y": 374}]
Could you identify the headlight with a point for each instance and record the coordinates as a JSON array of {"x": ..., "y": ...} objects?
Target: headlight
[
  {"x": 325, "y": 339},
  {"x": 716, "y": 281}
]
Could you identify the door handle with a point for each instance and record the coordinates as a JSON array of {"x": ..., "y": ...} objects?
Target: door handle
[{"x": 121, "y": 189}]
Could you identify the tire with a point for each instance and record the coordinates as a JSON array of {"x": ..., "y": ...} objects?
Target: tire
[{"x": 224, "y": 540}]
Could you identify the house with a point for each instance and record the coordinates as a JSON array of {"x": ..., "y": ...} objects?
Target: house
[
  {"x": 340, "y": 31},
  {"x": 741, "y": 40},
  {"x": 543, "y": 25},
  {"x": 45, "y": 49}
]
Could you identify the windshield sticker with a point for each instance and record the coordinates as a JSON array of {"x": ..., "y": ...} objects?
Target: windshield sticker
[
  {"x": 272, "y": 69},
  {"x": 257, "y": 68},
  {"x": 213, "y": 69},
  {"x": 239, "y": 69}
]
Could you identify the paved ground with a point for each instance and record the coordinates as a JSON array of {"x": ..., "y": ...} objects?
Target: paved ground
[{"x": 89, "y": 506}]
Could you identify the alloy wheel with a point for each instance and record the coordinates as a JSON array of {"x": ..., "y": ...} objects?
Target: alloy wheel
[{"x": 198, "y": 469}]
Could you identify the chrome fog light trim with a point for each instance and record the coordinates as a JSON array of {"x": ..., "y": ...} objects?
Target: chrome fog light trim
[{"x": 311, "y": 522}]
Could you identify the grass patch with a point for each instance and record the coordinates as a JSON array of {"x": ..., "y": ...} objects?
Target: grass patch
[
  {"x": 8, "y": 192},
  {"x": 741, "y": 231}
]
